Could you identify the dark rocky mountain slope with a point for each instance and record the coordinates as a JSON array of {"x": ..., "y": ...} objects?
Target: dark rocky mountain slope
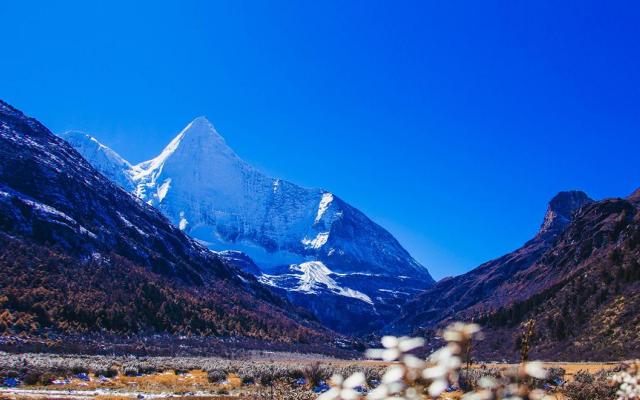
[
  {"x": 451, "y": 296},
  {"x": 79, "y": 254},
  {"x": 578, "y": 279}
]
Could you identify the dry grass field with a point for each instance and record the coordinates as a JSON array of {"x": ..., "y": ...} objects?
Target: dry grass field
[{"x": 196, "y": 383}]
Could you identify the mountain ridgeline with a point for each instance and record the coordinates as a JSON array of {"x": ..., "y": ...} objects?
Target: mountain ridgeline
[{"x": 308, "y": 244}]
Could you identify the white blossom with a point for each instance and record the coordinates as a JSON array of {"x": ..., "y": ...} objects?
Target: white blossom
[
  {"x": 629, "y": 385},
  {"x": 344, "y": 389},
  {"x": 535, "y": 370},
  {"x": 394, "y": 348}
]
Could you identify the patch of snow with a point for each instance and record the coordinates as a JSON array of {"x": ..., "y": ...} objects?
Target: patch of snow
[
  {"x": 325, "y": 201},
  {"x": 396, "y": 292},
  {"x": 49, "y": 210},
  {"x": 163, "y": 189},
  {"x": 361, "y": 274},
  {"x": 182, "y": 225},
  {"x": 87, "y": 232},
  {"x": 315, "y": 275},
  {"x": 316, "y": 242},
  {"x": 128, "y": 224}
]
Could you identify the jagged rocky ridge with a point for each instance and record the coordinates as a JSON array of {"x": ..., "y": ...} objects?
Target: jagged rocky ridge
[
  {"x": 307, "y": 243},
  {"x": 579, "y": 279},
  {"x": 78, "y": 254},
  {"x": 450, "y": 296}
]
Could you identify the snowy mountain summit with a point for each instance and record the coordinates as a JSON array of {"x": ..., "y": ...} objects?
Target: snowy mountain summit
[{"x": 318, "y": 250}]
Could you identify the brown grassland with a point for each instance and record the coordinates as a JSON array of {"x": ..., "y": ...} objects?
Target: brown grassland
[{"x": 195, "y": 384}]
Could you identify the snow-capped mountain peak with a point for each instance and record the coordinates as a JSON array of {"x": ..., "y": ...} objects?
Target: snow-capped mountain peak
[
  {"x": 198, "y": 139},
  {"x": 315, "y": 241},
  {"x": 201, "y": 135},
  {"x": 197, "y": 160}
]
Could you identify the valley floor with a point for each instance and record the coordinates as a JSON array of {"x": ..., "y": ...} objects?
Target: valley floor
[{"x": 262, "y": 376}]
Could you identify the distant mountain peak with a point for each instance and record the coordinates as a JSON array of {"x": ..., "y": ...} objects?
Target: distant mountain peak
[
  {"x": 200, "y": 135},
  {"x": 198, "y": 151},
  {"x": 107, "y": 161},
  {"x": 561, "y": 209},
  {"x": 202, "y": 127},
  {"x": 77, "y": 135},
  {"x": 81, "y": 138},
  {"x": 201, "y": 120}
]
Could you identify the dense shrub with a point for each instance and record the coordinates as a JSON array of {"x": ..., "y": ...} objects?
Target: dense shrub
[
  {"x": 315, "y": 373},
  {"x": 554, "y": 379},
  {"x": 372, "y": 375},
  {"x": 11, "y": 374},
  {"x": 147, "y": 369},
  {"x": 267, "y": 377},
  {"x": 180, "y": 371},
  {"x": 468, "y": 379},
  {"x": 79, "y": 369},
  {"x": 106, "y": 372},
  {"x": 589, "y": 389},
  {"x": 216, "y": 376},
  {"x": 555, "y": 374},
  {"x": 248, "y": 376},
  {"x": 47, "y": 378},
  {"x": 32, "y": 378}
]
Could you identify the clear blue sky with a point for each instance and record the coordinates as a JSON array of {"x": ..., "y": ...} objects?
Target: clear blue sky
[{"x": 451, "y": 123}]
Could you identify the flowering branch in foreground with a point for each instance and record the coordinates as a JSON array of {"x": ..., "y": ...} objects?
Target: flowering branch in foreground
[
  {"x": 629, "y": 382},
  {"x": 412, "y": 378}
]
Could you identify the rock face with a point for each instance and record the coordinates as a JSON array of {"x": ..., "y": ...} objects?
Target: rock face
[
  {"x": 63, "y": 220},
  {"x": 560, "y": 211},
  {"x": 579, "y": 279},
  {"x": 308, "y": 243}
]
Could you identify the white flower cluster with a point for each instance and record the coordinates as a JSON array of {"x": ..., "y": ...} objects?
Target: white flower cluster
[
  {"x": 410, "y": 378},
  {"x": 393, "y": 381},
  {"x": 344, "y": 388},
  {"x": 447, "y": 361},
  {"x": 629, "y": 382}
]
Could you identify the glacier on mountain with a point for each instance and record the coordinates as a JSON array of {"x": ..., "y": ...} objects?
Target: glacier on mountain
[{"x": 312, "y": 277}]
